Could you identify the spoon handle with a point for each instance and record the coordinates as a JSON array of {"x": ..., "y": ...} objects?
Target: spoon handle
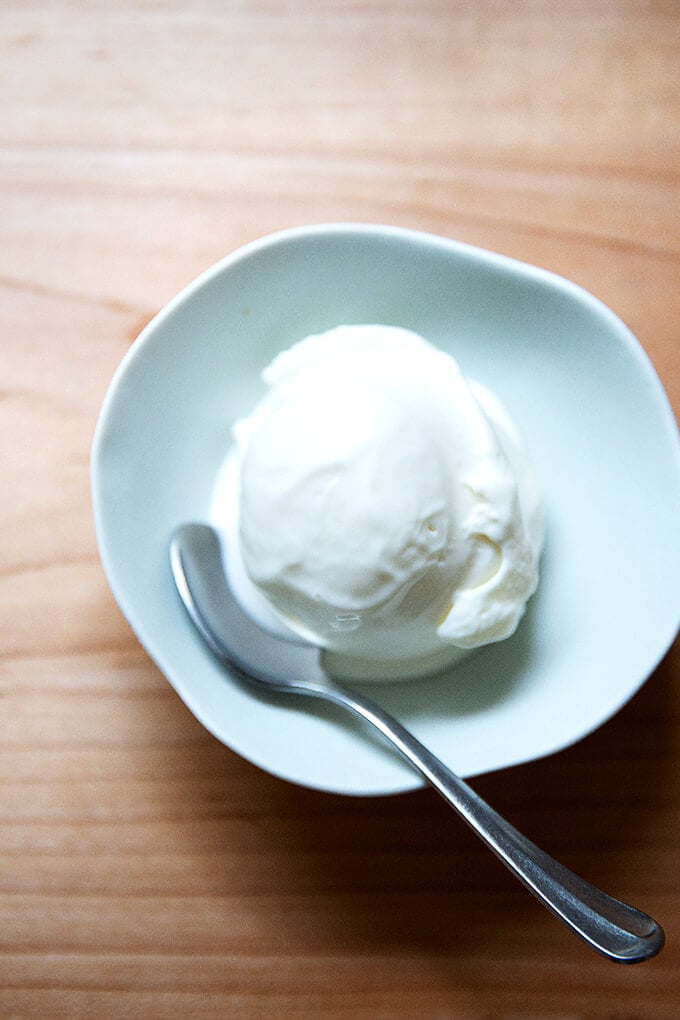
[{"x": 617, "y": 930}]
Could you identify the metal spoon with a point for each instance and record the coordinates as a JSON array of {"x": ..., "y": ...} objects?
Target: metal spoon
[{"x": 271, "y": 663}]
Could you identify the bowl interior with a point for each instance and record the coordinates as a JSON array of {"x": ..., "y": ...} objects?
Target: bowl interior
[{"x": 592, "y": 413}]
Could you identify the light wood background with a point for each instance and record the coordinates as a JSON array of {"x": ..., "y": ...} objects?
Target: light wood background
[{"x": 145, "y": 870}]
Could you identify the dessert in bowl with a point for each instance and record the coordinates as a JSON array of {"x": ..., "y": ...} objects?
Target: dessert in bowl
[
  {"x": 380, "y": 505},
  {"x": 597, "y": 430}
]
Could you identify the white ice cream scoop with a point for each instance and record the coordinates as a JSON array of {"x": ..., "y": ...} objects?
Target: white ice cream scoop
[{"x": 382, "y": 504}]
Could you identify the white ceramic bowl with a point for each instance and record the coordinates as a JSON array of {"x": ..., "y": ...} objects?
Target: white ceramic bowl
[{"x": 592, "y": 412}]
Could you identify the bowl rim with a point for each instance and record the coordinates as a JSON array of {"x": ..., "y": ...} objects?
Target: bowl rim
[{"x": 336, "y": 230}]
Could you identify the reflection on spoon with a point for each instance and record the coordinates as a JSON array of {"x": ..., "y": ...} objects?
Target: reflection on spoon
[{"x": 271, "y": 663}]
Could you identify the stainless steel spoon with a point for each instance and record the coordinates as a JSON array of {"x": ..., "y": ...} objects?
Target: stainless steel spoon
[{"x": 271, "y": 663}]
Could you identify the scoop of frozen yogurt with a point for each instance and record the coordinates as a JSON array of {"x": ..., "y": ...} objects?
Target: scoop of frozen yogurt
[{"x": 383, "y": 505}]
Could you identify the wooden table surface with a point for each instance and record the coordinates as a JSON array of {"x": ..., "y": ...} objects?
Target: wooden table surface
[{"x": 146, "y": 870}]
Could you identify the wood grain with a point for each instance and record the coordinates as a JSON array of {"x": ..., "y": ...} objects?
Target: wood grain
[{"x": 145, "y": 870}]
